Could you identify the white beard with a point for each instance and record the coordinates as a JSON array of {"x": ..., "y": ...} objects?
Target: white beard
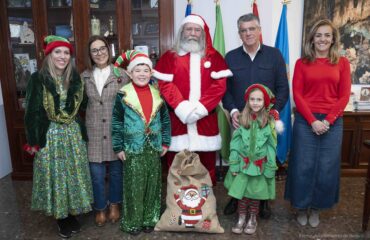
[
  {"x": 191, "y": 46},
  {"x": 191, "y": 202}
]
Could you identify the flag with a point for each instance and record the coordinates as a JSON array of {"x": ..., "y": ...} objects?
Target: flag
[
  {"x": 223, "y": 122},
  {"x": 282, "y": 44},
  {"x": 188, "y": 8},
  {"x": 255, "y": 13}
]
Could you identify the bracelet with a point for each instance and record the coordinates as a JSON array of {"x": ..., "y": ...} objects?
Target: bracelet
[{"x": 326, "y": 123}]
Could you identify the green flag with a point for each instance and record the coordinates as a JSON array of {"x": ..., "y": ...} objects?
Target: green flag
[
  {"x": 218, "y": 38},
  {"x": 223, "y": 122}
]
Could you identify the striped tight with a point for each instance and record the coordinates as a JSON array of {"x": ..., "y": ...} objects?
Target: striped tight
[{"x": 246, "y": 204}]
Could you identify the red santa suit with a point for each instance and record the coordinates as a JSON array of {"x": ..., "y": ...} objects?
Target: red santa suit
[{"x": 193, "y": 85}]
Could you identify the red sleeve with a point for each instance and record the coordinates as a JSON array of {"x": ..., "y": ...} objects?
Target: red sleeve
[
  {"x": 298, "y": 88},
  {"x": 214, "y": 93},
  {"x": 168, "y": 89},
  {"x": 344, "y": 91}
]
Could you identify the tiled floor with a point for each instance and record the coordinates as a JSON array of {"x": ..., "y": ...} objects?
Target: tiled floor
[{"x": 342, "y": 222}]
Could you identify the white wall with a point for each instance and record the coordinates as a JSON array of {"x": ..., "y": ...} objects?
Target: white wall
[
  {"x": 5, "y": 163},
  {"x": 269, "y": 13}
]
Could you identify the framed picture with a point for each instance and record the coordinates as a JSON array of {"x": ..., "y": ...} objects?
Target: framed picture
[
  {"x": 151, "y": 28},
  {"x": 24, "y": 60},
  {"x": 352, "y": 18}
]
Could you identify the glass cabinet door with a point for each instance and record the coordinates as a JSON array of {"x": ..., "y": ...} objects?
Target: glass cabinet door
[
  {"x": 23, "y": 48},
  {"x": 60, "y": 19},
  {"x": 103, "y": 22},
  {"x": 145, "y": 27}
]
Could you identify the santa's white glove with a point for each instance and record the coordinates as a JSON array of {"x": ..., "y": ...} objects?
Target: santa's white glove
[
  {"x": 199, "y": 113},
  {"x": 183, "y": 110}
]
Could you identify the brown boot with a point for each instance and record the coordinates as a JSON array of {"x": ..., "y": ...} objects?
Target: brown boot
[
  {"x": 113, "y": 212},
  {"x": 100, "y": 218}
]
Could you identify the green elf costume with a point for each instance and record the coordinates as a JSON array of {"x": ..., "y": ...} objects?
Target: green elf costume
[
  {"x": 251, "y": 176},
  {"x": 140, "y": 128},
  {"x": 61, "y": 177}
]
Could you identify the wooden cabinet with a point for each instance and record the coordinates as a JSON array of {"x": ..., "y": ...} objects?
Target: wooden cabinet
[
  {"x": 355, "y": 156},
  {"x": 24, "y": 23}
]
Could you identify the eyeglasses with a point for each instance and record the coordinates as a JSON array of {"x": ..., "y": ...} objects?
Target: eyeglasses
[
  {"x": 95, "y": 51},
  {"x": 245, "y": 30}
]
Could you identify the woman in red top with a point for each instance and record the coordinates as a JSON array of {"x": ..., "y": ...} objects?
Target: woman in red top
[{"x": 321, "y": 89}]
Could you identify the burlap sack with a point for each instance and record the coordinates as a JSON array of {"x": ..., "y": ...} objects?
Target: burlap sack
[{"x": 191, "y": 203}]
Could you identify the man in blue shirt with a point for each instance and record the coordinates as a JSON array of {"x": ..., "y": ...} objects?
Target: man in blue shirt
[{"x": 253, "y": 63}]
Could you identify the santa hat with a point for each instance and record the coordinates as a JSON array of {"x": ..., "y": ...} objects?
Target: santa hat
[
  {"x": 193, "y": 18},
  {"x": 269, "y": 101},
  {"x": 188, "y": 188},
  {"x": 52, "y": 41},
  {"x": 132, "y": 58}
]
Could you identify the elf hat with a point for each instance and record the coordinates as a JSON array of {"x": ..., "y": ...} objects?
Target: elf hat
[
  {"x": 131, "y": 58},
  {"x": 52, "y": 41},
  {"x": 193, "y": 18},
  {"x": 268, "y": 96},
  {"x": 269, "y": 101}
]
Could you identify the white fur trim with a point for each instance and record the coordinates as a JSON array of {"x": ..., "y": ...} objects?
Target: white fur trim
[
  {"x": 183, "y": 110},
  {"x": 221, "y": 74},
  {"x": 198, "y": 142},
  {"x": 207, "y": 64},
  {"x": 279, "y": 126},
  {"x": 139, "y": 60},
  {"x": 194, "y": 217},
  {"x": 193, "y": 19},
  {"x": 162, "y": 76},
  {"x": 195, "y": 77},
  {"x": 201, "y": 110}
]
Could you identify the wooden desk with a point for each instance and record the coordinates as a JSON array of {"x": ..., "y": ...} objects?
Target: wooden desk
[
  {"x": 355, "y": 156},
  {"x": 366, "y": 211}
]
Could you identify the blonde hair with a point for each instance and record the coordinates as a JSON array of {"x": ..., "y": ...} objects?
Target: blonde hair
[
  {"x": 309, "y": 48},
  {"x": 246, "y": 118},
  {"x": 48, "y": 67}
]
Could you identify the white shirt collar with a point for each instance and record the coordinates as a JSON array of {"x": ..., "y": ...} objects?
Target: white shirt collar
[{"x": 252, "y": 55}]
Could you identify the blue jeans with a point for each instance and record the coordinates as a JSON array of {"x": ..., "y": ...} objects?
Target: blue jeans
[{"x": 98, "y": 173}]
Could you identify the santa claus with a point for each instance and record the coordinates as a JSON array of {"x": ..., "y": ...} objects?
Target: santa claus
[
  {"x": 192, "y": 80},
  {"x": 191, "y": 204}
]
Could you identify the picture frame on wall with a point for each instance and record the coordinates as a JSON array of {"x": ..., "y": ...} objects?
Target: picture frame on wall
[{"x": 352, "y": 18}]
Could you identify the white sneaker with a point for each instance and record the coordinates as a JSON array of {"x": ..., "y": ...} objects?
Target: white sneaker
[
  {"x": 238, "y": 227},
  {"x": 251, "y": 225},
  {"x": 314, "y": 219},
  {"x": 302, "y": 217}
]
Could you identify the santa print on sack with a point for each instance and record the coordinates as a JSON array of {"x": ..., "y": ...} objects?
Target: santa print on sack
[{"x": 191, "y": 204}]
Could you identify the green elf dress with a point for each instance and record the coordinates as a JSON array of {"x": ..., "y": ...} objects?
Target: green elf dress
[
  {"x": 142, "y": 142},
  {"x": 61, "y": 176},
  {"x": 252, "y": 156}
]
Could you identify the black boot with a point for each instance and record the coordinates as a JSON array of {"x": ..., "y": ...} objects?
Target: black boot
[
  {"x": 231, "y": 207},
  {"x": 64, "y": 228},
  {"x": 74, "y": 225},
  {"x": 265, "y": 211}
]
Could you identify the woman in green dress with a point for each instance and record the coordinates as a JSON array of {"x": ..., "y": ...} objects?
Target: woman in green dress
[{"x": 55, "y": 134}]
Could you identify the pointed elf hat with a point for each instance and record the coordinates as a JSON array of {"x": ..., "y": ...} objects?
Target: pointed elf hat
[
  {"x": 52, "y": 41},
  {"x": 194, "y": 18},
  {"x": 269, "y": 101},
  {"x": 131, "y": 58}
]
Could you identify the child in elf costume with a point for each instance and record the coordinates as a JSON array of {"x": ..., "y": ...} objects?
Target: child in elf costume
[
  {"x": 140, "y": 135},
  {"x": 251, "y": 176}
]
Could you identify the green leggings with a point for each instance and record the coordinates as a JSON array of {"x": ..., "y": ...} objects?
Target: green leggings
[{"x": 142, "y": 190}]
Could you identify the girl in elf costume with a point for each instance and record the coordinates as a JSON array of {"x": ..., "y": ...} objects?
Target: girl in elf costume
[
  {"x": 55, "y": 134},
  {"x": 141, "y": 134},
  {"x": 251, "y": 176}
]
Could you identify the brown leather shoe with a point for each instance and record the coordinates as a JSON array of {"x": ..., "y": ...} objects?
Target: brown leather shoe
[
  {"x": 113, "y": 212},
  {"x": 100, "y": 218}
]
